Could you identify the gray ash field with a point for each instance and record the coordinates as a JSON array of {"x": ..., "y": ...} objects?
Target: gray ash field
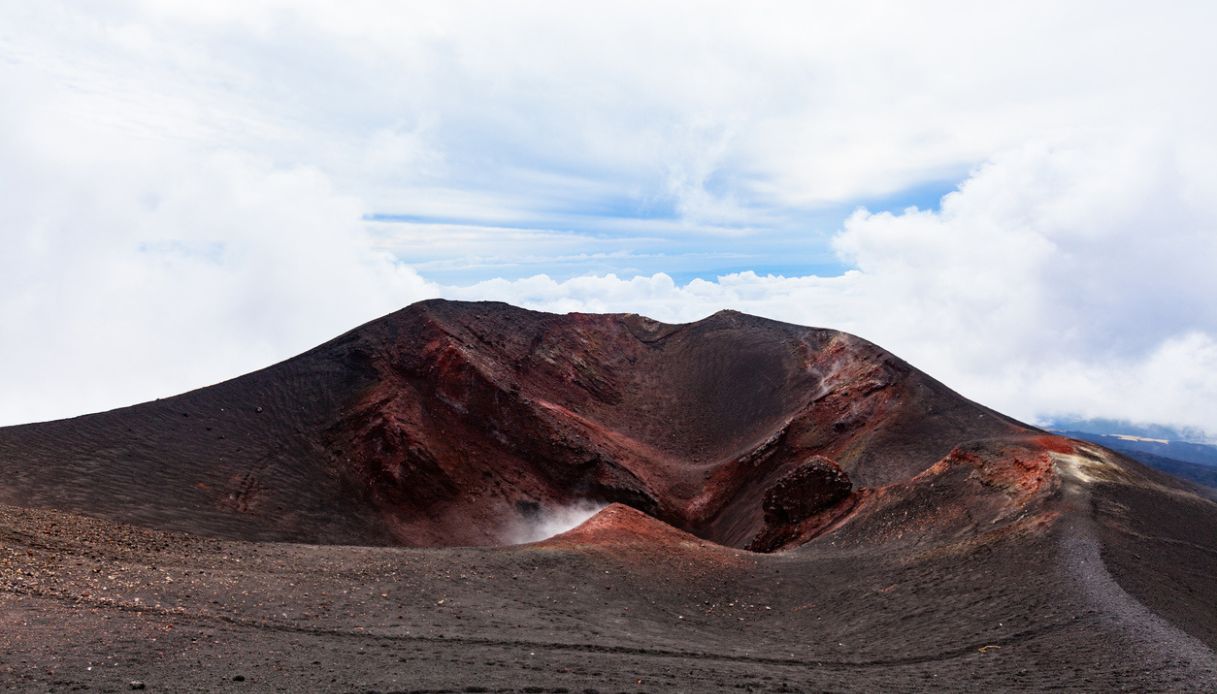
[{"x": 784, "y": 509}]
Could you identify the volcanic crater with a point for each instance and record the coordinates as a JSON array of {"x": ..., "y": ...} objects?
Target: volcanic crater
[
  {"x": 837, "y": 492},
  {"x": 437, "y": 424}
]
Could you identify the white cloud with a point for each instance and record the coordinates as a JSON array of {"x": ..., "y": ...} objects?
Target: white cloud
[
  {"x": 134, "y": 271},
  {"x": 184, "y": 184}
]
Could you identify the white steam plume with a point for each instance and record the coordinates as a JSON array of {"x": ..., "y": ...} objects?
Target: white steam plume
[{"x": 545, "y": 522}]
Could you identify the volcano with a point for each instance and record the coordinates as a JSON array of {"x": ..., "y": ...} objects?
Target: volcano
[{"x": 783, "y": 508}]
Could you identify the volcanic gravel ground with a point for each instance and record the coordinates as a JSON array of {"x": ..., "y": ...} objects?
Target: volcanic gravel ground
[{"x": 87, "y": 604}]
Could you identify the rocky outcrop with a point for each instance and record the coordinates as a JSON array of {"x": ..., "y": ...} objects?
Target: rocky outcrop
[{"x": 805, "y": 491}]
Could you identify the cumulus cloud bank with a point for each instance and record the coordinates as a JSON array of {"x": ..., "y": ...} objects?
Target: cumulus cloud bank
[{"x": 191, "y": 191}]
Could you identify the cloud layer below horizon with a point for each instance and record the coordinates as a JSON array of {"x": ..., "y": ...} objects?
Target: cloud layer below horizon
[{"x": 192, "y": 193}]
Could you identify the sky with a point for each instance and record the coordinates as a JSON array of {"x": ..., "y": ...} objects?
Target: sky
[{"x": 1018, "y": 198}]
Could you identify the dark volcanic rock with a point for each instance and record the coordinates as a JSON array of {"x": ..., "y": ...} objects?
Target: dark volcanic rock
[{"x": 808, "y": 489}]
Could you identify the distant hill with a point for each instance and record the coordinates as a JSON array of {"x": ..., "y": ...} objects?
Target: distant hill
[
  {"x": 1195, "y": 453},
  {"x": 1182, "y": 445},
  {"x": 1118, "y": 427},
  {"x": 1194, "y": 462},
  {"x": 1200, "y": 474}
]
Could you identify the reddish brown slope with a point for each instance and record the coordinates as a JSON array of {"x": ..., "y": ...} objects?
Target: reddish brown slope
[{"x": 441, "y": 423}]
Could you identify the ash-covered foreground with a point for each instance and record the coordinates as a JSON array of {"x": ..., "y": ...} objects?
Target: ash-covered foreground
[
  {"x": 912, "y": 539},
  {"x": 623, "y": 604}
]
